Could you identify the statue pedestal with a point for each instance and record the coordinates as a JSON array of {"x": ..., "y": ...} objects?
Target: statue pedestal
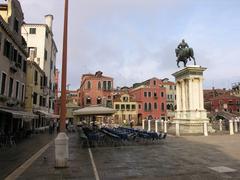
[{"x": 190, "y": 112}]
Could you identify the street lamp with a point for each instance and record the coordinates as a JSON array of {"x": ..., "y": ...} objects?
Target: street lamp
[{"x": 61, "y": 142}]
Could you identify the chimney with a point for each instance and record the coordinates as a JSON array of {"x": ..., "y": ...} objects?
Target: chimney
[{"x": 49, "y": 21}]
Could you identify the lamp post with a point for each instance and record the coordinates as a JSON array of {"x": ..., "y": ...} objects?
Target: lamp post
[{"x": 61, "y": 142}]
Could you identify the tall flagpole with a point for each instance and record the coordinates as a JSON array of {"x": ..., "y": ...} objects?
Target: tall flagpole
[
  {"x": 64, "y": 70},
  {"x": 61, "y": 142}
]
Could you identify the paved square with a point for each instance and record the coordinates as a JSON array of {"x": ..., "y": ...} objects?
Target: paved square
[{"x": 175, "y": 158}]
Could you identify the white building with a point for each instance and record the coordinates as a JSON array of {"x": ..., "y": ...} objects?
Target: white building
[{"x": 42, "y": 49}]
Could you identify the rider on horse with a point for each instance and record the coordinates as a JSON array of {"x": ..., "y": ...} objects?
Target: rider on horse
[{"x": 184, "y": 53}]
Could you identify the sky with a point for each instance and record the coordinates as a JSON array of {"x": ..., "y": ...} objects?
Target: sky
[{"x": 135, "y": 40}]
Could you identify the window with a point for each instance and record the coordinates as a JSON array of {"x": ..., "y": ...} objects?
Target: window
[
  {"x": 7, "y": 48},
  {"x": 44, "y": 102},
  {"x": 122, "y": 106},
  {"x": 10, "y": 89},
  {"x": 46, "y": 34},
  {"x": 125, "y": 99},
  {"x": 40, "y": 101},
  {"x": 162, "y": 94},
  {"x": 45, "y": 81},
  {"x": 24, "y": 66},
  {"x": 154, "y": 83},
  {"x": 32, "y": 52},
  {"x": 50, "y": 104},
  {"x": 41, "y": 81},
  {"x": 89, "y": 85},
  {"x": 17, "y": 89},
  {"x": 133, "y": 106},
  {"x": 99, "y": 100},
  {"x": 139, "y": 106},
  {"x": 23, "y": 94},
  {"x": 117, "y": 106},
  {"x": 170, "y": 87},
  {"x": 149, "y": 94},
  {"x": 104, "y": 85},
  {"x": 51, "y": 64},
  {"x": 32, "y": 30},
  {"x": 99, "y": 85},
  {"x": 155, "y": 94},
  {"x": 145, "y": 94},
  {"x": 36, "y": 77},
  {"x": 149, "y": 106},
  {"x": 16, "y": 25},
  {"x": 128, "y": 106},
  {"x": 35, "y": 98},
  {"x": 162, "y": 107},
  {"x": 15, "y": 55},
  {"x": 155, "y": 105},
  {"x": 145, "y": 107},
  {"x": 45, "y": 55},
  {"x": 4, "y": 76},
  {"x": 109, "y": 85},
  {"x": 19, "y": 61},
  {"x": 88, "y": 100}
]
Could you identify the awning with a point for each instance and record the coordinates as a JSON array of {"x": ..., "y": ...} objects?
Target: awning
[
  {"x": 19, "y": 114},
  {"x": 94, "y": 110},
  {"x": 48, "y": 115}
]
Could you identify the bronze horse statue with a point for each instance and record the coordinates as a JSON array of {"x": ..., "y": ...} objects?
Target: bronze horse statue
[{"x": 184, "y": 54}]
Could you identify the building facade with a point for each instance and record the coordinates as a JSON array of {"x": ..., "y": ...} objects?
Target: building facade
[
  {"x": 151, "y": 98},
  {"x": 170, "y": 97},
  {"x": 13, "y": 54},
  {"x": 42, "y": 49},
  {"x": 126, "y": 109},
  {"x": 96, "y": 89},
  {"x": 228, "y": 103}
]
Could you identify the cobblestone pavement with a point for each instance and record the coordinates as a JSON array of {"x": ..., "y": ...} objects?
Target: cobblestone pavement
[
  {"x": 12, "y": 157},
  {"x": 182, "y": 158}
]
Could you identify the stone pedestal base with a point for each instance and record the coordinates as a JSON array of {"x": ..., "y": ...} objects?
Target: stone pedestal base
[
  {"x": 61, "y": 150},
  {"x": 196, "y": 126}
]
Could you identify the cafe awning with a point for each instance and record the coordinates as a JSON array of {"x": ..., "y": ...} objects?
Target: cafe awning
[
  {"x": 47, "y": 114},
  {"x": 94, "y": 110},
  {"x": 19, "y": 114}
]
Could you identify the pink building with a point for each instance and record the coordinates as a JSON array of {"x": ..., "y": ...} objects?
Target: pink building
[
  {"x": 151, "y": 98},
  {"x": 96, "y": 89}
]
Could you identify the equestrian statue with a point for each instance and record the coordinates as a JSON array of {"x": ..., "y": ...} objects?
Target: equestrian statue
[{"x": 184, "y": 53}]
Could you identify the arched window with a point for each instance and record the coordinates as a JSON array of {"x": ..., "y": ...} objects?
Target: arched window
[
  {"x": 162, "y": 94},
  {"x": 155, "y": 105},
  {"x": 89, "y": 85},
  {"x": 162, "y": 107},
  {"x": 149, "y": 106},
  {"x": 145, "y": 106},
  {"x": 88, "y": 100},
  {"x": 109, "y": 85},
  {"x": 99, "y": 100},
  {"x": 99, "y": 85}
]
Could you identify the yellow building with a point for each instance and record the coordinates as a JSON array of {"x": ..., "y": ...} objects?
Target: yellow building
[
  {"x": 36, "y": 94},
  {"x": 126, "y": 109}
]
